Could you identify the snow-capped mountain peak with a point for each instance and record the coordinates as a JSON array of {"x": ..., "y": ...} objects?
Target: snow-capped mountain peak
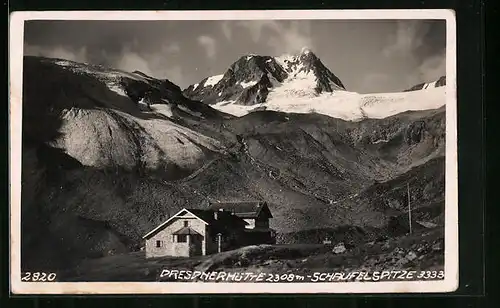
[
  {"x": 307, "y": 65},
  {"x": 301, "y": 83},
  {"x": 252, "y": 78}
]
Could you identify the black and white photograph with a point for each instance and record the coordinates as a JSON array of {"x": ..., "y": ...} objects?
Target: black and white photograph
[{"x": 185, "y": 152}]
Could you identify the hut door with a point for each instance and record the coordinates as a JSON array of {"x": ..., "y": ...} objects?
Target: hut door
[{"x": 195, "y": 244}]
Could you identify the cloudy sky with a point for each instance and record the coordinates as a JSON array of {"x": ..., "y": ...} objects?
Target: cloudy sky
[{"x": 367, "y": 55}]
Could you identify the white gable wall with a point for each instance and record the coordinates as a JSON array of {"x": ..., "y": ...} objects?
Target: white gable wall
[{"x": 168, "y": 246}]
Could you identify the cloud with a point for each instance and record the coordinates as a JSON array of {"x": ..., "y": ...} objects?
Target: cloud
[
  {"x": 256, "y": 27},
  {"x": 281, "y": 36},
  {"x": 153, "y": 47},
  {"x": 433, "y": 67},
  {"x": 60, "y": 52},
  {"x": 171, "y": 48},
  {"x": 409, "y": 36},
  {"x": 131, "y": 61},
  {"x": 372, "y": 81},
  {"x": 208, "y": 43},
  {"x": 294, "y": 37},
  {"x": 422, "y": 45},
  {"x": 152, "y": 64},
  {"x": 226, "y": 29},
  {"x": 173, "y": 74}
]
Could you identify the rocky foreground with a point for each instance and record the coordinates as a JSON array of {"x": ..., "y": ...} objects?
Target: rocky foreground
[{"x": 418, "y": 252}]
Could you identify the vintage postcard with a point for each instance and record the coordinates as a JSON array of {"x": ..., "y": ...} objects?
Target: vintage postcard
[{"x": 173, "y": 152}]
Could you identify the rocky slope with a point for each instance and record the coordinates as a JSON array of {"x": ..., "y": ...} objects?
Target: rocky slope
[{"x": 108, "y": 155}]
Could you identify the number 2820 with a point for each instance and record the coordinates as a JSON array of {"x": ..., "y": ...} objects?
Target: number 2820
[{"x": 38, "y": 276}]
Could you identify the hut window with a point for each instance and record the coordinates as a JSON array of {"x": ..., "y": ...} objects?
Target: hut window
[
  {"x": 181, "y": 238},
  {"x": 158, "y": 244},
  {"x": 186, "y": 223}
]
